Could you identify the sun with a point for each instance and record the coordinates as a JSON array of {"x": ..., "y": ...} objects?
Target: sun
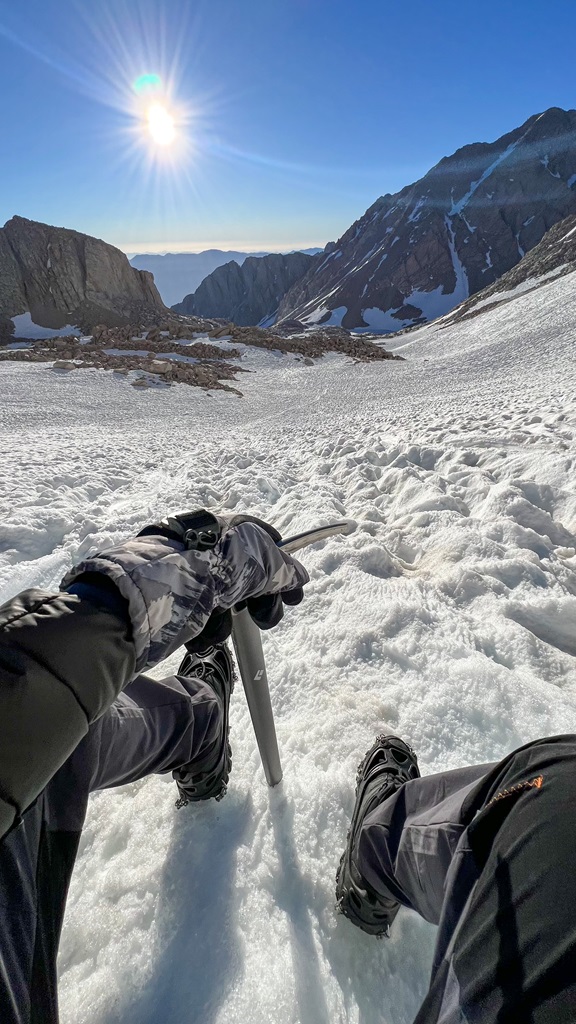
[{"x": 160, "y": 124}]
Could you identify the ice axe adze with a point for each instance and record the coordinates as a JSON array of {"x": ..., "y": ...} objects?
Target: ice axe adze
[{"x": 250, "y": 658}]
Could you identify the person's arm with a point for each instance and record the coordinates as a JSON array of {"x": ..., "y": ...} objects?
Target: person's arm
[
  {"x": 65, "y": 657},
  {"x": 63, "y": 660}
]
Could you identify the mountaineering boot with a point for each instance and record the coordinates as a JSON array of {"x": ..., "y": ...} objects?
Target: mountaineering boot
[
  {"x": 385, "y": 768},
  {"x": 209, "y": 779}
]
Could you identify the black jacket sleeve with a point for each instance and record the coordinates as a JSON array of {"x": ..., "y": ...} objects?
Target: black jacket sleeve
[{"x": 63, "y": 660}]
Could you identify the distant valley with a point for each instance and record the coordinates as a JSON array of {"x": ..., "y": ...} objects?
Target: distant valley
[{"x": 177, "y": 274}]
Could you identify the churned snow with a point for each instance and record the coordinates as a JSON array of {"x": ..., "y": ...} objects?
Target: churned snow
[
  {"x": 446, "y": 617},
  {"x": 24, "y": 327}
]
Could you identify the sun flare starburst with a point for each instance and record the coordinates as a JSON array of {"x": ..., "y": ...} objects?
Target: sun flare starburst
[
  {"x": 155, "y": 110},
  {"x": 161, "y": 124}
]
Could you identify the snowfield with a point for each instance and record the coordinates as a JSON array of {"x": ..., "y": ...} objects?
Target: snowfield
[{"x": 448, "y": 617}]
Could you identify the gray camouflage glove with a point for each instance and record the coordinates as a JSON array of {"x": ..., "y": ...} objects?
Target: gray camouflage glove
[
  {"x": 267, "y": 610},
  {"x": 175, "y": 577}
]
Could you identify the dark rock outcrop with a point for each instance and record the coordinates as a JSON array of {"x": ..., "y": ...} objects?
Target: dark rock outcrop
[
  {"x": 416, "y": 255},
  {"x": 249, "y": 294},
  {"x": 177, "y": 274},
  {"x": 553, "y": 257},
  {"x": 61, "y": 276},
  {"x": 164, "y": 354}
]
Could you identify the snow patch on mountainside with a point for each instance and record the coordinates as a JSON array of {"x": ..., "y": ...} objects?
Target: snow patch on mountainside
[
  {"x": 520, "y": 288},
  {"x": 334, "y": 319},
  {"x": 461, "y": 289},
  {"x": 381, "y": 320},
  {"x": 24, "y": 327},
  {"x": 535, "y": 328}
]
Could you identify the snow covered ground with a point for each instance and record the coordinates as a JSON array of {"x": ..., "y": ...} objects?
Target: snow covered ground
[{"x": 447, "y": 617}]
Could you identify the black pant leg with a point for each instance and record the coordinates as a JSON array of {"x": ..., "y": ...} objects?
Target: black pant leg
[
  {"x": 506, "y": 951},
  {"x": 514, "y": 954},
  {"x": 407, "y": 843},
  {"x": 154, "y": 726}
]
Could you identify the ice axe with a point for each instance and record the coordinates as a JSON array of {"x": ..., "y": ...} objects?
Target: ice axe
[{"x": 250, "y": 658}]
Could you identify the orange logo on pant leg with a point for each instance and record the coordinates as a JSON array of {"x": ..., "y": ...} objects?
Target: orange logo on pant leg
[{"x": 533, "y": 784}]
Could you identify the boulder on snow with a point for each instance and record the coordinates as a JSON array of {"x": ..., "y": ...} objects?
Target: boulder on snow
[{"x": 221, "y": 332}]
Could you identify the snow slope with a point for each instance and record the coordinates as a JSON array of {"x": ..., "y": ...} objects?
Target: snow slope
[{"x": 447, "y": 617}]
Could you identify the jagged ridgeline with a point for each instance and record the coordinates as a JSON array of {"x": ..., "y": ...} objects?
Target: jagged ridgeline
[
  {"x": 248, "y": 294},
  {"x": 415, "y": 255}
]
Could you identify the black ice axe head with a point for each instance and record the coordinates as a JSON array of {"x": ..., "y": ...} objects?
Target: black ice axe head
[{"x": 252, "y": 667}]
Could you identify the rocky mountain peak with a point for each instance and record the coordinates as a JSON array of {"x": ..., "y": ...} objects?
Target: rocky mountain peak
[{"x": 415, "y": 255}]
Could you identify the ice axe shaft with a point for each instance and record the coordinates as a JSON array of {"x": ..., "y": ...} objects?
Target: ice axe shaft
[{"x": 250, "y": 657}]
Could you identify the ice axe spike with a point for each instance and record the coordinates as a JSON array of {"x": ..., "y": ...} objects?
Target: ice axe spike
[{"x": 250, "y": 658}]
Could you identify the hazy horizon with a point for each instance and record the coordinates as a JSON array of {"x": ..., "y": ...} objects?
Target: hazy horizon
[{"x": 181, "y": 248}]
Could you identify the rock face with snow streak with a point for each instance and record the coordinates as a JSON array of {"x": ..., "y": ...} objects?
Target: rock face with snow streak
[
  {"x": 415, "y": 255},
  {"x": 247, "y": 294},
  {"x": 553, "y": 257},
  {"x": 62, "y": 276}
]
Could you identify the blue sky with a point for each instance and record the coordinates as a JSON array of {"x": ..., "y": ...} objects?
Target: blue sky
[{"x": 292, "y": 116}]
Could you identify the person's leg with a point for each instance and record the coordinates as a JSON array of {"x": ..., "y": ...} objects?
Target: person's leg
[
  {"x": 509, "y": 956},
  {"x": 486, "y": 852},
  {"x": 406, "y": 844},
  {"x": 155, "y": 726},
  {"x": 403, "y": 835}
]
